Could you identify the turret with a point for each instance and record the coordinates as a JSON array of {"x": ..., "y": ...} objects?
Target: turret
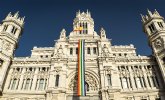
[
  {"x": 63, "y": 34},
  {"x": 152, "y": 23},
  {"x": 154, "y": 27},
  {"x": 83, "y": 23},
  {"x": 10, "y": 32},
  {"x": 102, "y": 34}
]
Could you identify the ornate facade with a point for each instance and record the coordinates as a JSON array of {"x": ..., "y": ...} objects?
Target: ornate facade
[{"x": 111, "y": 72}]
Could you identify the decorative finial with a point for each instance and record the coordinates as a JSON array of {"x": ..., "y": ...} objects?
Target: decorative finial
[
  {"x": 149, "y": 12},
  {"x": 143, "y": 19},
  {"x": 16, "y": 14},
  {"x": 156, "y": 12}
]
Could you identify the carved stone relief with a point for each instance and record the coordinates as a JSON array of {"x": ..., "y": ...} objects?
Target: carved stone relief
[{"x": 158, "y": 43}]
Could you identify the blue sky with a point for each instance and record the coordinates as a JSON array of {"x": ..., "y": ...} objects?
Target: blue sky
[{"x": 46, "y": 18}]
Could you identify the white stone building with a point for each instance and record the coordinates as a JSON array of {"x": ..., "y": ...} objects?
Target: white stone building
[{"x": 111, "y": 72}]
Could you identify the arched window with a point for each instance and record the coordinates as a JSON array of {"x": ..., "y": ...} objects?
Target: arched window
[
  {"x": 13, "y": 84},
  {"x": 41, "y": 84},
  {"x": 86, "y": 86},
  {"x": 27, "y": 84}
]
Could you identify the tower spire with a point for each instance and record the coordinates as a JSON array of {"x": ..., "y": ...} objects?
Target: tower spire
[{"x": 149, "y": 12}]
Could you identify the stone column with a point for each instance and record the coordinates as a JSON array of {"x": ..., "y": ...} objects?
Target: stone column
[
  {"x": 145, "y": 77},
  {"x": 102, "y": 82},
  {"x": 62, "y": 80},
  {"x": 17, "y": 33},
  {"x": 37, "y": 85},
  {"x": 106, "y": 79},
  {"x": 17, "y": 83},
  {"x": 23, "y": 86},
  {"x": 30, "y": 84},
  {"x": 132, "y": 78},
  {"x": 159, "y": 80},
  {"x": 35, "y": 79},
  {"x": 128, "y": 82},
  {"x": 151, "y": 82},
  {"x": 8, "y": 81},
  {"x": 115, "y": 79},
  {"x": 11, "y": 84},
  {"x": 21, "y": 79}
]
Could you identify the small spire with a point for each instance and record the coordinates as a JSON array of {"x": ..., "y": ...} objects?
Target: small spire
[
  {"x": 9, "y": 15},
  {"x": 87, "y": 11},
  {"x": 78, "y": 13},
  {"x": 156, "y": 12},
  {"x": 63, "y": 34},
  {"x": 102, "y": 33},
  {"x": 143, "y": 19},
  {"x": 16, "y": 14},
  {"x": 149, "y": 12},
  {"x": 23, "y": 18}
]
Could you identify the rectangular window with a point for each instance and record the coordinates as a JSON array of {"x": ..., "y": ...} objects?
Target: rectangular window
[
  {"x": 153, "y": 81},
  {"x": 1, "y": 62},
  {"x": 151, "y": 27},
  {"x": 13, "y": 84},
  {"x": 94, "y": 50},
  {"x": 45, "y": 84},
  {"x": 138, "y": 82},
  {"x": 160, "y": 24},
  {"x": 88, "y": 50},
  {"x": 76, "y": 50},
  {"x": 5, "y": 27},
  {"x": 13, "y": 29},
  {"x": 109, "y": 79},
  {"x": 27, "y": 84},
  {"x": 23, "y": 83},
  {"x": 18, "y": 84},
  {"x": 71, "y": 51},
  {"x": 124, "y": 81},
  {"x": 41, "y": 84},
  {"x": 57, "y": 81}
]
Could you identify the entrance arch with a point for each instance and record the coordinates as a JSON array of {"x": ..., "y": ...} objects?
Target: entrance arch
[{"x": 91, "y": 82}]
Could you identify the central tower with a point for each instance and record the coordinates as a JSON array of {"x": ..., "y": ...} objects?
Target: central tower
[{"x": 83, "y": 26}]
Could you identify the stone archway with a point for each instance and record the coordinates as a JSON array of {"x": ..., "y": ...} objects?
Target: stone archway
[{"x": 89, "y": 79}]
